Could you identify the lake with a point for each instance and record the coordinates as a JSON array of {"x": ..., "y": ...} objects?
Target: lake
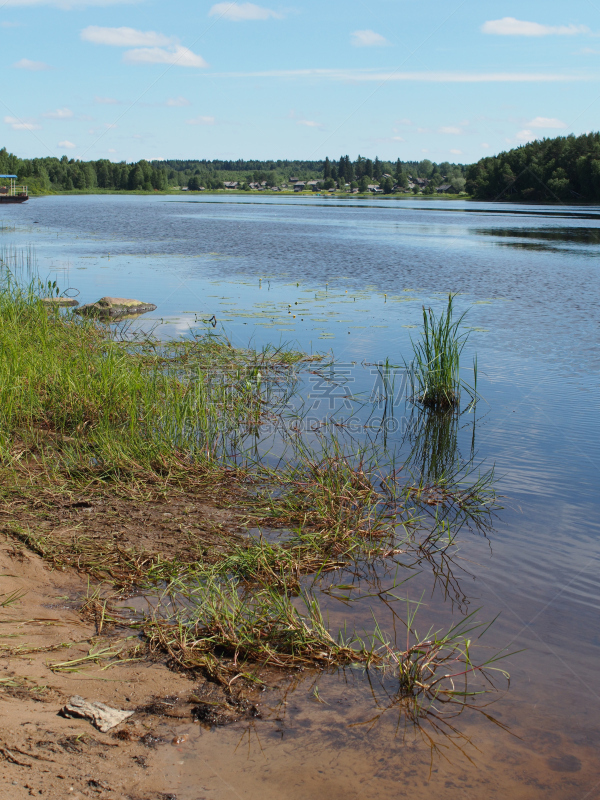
[{"x": 350, "y": 277}]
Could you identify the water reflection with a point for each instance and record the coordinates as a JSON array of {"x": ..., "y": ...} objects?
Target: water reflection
[
  {"x": 554, "y": 234},
  {"x": 547, "y": 239}
]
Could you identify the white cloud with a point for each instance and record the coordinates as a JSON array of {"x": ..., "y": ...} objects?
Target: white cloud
[
  {"x": 368, "y": 75},
  {"x": 125, "y": 37},
  {"x": 21, "y": 125},
  {"x": 177, "y": 56},
  {"x": 149, "y": 47},
  {"x": 240, "y": 12},
  {"x": 67, "y": 145},
  {"x": 110, "y": 125},
  {"x": 201, "y": 121},
  {"x": 6, "y": 24},
  {"x": 32, "y": 66},
  {"x": 60, "y": 113},
  {"x": 309, "y": 123},
  {"x": 509, "y": 26},
  {"x": 452, "y": 129},
  {"x": 177, "y": 102},
  {"x": 368, "y": 39},
  {"x": 546, "y": 122},
  {"x": 398, "y": 139},
  {"x": 111, "y": 150},
  {"x": 524, "y": 136},
  {"x": 456, "y": 152},
  {"x": 106, "y": 101},
  {"x": 485, "y": 145}
]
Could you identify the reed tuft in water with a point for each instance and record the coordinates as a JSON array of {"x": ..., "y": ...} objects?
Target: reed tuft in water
[{"x": 435, "y": 380}]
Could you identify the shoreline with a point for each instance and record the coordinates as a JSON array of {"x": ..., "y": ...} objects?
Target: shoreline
[{"x": 137, "y": 537}]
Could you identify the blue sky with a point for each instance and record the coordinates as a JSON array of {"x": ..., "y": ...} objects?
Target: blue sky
[{"x": 439, "y": 79}]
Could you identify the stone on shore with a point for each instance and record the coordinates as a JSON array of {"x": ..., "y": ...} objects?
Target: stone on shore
[
  {"x": 115, "y": 307},
  {"x": 101, "y": 716}
]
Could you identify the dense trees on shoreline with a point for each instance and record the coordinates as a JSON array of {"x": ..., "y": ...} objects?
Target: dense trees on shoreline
[
  {"x": 564, "y": 169},
  {"x": 211, "y": 174},
  {"x": 64, "y": 174},
  {"x": 53, "y": 174}
]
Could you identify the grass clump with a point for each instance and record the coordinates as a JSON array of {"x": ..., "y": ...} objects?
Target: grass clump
[
  {"x": 435, "y": 370},
  {"x": 263, "y": 626},
  {"x": 194, "y": 622}
]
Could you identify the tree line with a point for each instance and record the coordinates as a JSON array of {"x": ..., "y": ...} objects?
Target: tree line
[
  {"x": 64, "y": 174},
  {"x": 330, "y": 172},
  {"x": 563, "y": 169}
]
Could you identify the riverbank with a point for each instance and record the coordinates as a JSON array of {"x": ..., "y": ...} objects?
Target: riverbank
[{"x": 178, "y": 575}]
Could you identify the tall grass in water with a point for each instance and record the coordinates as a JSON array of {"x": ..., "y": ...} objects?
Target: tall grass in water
[
  {"x": 105, "y": 408},
  {"x": 435, "y": 380}
]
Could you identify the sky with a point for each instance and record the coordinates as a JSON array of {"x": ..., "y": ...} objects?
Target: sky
[{"x": 448, "y": 80}]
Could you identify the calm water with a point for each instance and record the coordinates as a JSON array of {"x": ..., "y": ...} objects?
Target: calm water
[{"x": 351, "y": 277}]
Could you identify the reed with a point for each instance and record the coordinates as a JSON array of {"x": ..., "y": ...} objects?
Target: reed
[{"x": 435, "y": 380}]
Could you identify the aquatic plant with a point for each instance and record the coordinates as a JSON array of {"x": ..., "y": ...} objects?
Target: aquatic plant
[{"x": 434, "y": 373}]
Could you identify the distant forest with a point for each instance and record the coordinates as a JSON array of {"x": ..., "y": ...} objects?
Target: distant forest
[
  {"x": 566, "y": 169},
  {"x": 563, "y": 169},
  {"x": 331, "y": 172},
  {"x": 63, "y": 174},
  {"x": 44, "y": 175}
]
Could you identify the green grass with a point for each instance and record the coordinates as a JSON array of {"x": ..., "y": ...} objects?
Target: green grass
[
  {"x": 435, "y": 370},
  {"x": 115, "y": 408}
]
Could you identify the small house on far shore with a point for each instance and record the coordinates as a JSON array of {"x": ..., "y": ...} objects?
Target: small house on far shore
[{"x": 446, "y": 188}]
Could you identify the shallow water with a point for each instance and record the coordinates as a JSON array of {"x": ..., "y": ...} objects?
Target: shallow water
[{"x": 359, "y": 272}]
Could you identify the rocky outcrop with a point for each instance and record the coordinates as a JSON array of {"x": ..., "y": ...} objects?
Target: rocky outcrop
[{"x": 115, "y": 307}]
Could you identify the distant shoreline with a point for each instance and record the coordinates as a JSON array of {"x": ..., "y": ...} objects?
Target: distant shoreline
[{"x": 241, "y": 192}]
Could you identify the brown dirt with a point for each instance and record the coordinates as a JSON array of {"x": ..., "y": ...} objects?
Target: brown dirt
[
  {"x": 43, "y": 754},
  {"x": 113, "y": 535}
]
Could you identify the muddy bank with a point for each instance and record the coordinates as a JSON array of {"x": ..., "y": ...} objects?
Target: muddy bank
[{"x": 43, "y": 754}]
